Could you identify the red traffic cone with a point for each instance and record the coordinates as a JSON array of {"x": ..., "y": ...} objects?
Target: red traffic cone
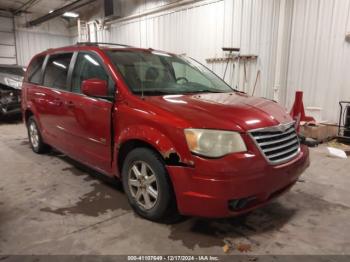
[{"x": 298, "y": 112}]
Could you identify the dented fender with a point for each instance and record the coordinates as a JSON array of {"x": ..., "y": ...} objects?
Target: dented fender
[{"x": 174, "y": 152}]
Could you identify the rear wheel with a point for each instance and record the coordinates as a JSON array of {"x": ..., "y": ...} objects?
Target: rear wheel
[
  {"x": 35, "y": 137},
  {"x": 148, "y": 187}
]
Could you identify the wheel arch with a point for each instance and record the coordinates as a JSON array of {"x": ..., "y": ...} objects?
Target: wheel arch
[
  {"x": 27, "y": 113},
  {"x": 30, "y": 110},
  {"x": 127, "y": 146}
]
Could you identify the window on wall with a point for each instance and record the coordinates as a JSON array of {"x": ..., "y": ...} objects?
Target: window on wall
[
  {"x": 87, "y": 66},
  {"x": 34, "y": 70},
  {"x": 57, "y": 70}
]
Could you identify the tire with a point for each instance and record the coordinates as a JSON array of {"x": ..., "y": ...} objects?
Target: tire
[
  {"x": 151, "y": 179},
  {"x": 35, "y": 138}
]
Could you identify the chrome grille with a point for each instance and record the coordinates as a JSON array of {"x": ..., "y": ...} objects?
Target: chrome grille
[{"x": 278, "y": 143}]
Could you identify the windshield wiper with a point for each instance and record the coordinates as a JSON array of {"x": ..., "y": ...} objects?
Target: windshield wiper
[
  {"x": 151, "y": 92},
  {"x": 205, "y": 91}
]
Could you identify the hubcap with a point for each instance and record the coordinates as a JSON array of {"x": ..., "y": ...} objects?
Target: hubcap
[
  {"x": 33, "y": 135},
  {"x": 143, "y": 184}
]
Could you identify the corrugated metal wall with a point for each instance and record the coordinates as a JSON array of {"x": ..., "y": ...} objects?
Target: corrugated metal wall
[
  {"x": 315, "y": 59},
  {"x": 29, "y": 43},
  {"x": 32, "y": 40},
  {"x": 319, "y": 61},
  {"x": 200, "y": 30},
  {"x": 7, "y": 41}
]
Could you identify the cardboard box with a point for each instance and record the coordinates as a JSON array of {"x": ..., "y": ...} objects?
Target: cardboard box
[{"x": 320, "y": 132}]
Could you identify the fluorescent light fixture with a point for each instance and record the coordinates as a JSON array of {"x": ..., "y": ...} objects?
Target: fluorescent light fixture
[{"x": 71, "y": 14}]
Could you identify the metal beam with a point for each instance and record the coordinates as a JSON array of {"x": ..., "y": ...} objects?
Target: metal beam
[
  {"x": 25, "y": 6},
  {"x": 60, "y": 11},
  {"x": 1, "y": 44}
]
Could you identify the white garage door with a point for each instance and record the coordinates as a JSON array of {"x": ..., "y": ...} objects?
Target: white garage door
[{"x": 7, "y": 41}]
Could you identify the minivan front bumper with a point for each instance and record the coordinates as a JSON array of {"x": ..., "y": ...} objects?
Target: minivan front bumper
[{"x": 234, "y": 184}]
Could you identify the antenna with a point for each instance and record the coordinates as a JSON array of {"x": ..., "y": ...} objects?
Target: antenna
[{"x": 142, "y": 90}]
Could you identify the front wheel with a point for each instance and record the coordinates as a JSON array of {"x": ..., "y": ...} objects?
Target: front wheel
[
  {"x": 35, "y": 137},
  {"x": 148, "y": 187}
]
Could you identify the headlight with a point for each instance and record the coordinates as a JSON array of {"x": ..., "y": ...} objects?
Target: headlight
[{"x": 214, "y": 143}]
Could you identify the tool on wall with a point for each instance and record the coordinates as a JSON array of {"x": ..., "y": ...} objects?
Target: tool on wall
[
  {"x": 256, "y": 81},
  {"x": 245, "y": 81},
  {"x": 234, "y": 55},
  {"x": 230, "y": 50}
]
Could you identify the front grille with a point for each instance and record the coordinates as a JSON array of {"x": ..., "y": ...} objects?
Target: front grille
[{"x": 278, "y": 143}]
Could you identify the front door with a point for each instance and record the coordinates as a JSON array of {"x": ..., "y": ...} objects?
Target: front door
[{"x": 88, "y": 121}]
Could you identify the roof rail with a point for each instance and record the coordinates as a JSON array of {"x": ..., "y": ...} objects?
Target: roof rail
[{"x": 101, "y": 43}]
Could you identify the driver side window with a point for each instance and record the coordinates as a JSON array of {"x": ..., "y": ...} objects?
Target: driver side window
[
  {"x": 186, "y": 73},
  {"x": 86, "y": 67}
]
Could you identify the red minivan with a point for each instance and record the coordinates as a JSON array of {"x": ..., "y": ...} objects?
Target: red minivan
[{"x": 181, "y": 140}]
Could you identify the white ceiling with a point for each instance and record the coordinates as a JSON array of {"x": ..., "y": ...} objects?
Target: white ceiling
[{"x": 33, "y": 6}]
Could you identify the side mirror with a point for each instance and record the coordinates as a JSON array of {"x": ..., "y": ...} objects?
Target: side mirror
[{"x": 95, "y": 87}]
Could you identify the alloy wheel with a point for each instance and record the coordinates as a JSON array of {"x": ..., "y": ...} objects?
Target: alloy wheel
[
  {"x": 143, "y": 184},
  {"x": 33, "y": 135}
]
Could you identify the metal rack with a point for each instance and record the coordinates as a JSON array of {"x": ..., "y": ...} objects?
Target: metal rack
[
  {"x": 344, "y": 121},
  {"x": 231, "y": 58}
]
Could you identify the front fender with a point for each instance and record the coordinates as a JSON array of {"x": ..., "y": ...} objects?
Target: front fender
[{"x": 157, "y": 139}]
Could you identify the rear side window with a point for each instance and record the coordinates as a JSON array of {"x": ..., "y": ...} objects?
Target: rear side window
[
  {"x": 57, "y": 70},
  {"x": 34, "y": 70}
]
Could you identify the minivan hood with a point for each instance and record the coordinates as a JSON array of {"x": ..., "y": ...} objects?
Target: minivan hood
[{"x": 229, "y": 111}]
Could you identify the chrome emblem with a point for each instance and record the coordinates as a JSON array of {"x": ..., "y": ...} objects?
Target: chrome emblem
[{"x": 283, "y": 127}]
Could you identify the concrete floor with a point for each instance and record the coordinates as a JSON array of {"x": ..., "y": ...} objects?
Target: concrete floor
[{"x": 51, "y": 205}]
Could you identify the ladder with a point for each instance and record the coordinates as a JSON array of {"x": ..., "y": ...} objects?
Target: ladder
[{"x": 83, "y": 31}]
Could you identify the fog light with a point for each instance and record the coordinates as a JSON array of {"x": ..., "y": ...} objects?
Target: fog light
[
  {"x": 238, "y": 204},
  {"x": 233, "y": 204}
]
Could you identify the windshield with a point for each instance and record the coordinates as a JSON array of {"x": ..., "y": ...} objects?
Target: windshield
[{"x": 156, "y": 73}]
